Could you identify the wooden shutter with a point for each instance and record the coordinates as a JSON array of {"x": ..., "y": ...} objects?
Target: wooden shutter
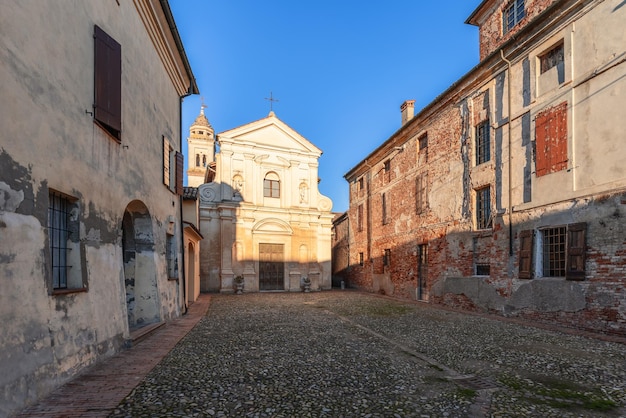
[
  {"x": 551, "y": 140},
  {"x": 166, "y": 161},
  {"x": 108, "y": 82},
  {"x": 526, "y": 254},
  {"x": 180, "y": 162},
  {"x": 575, "y": 261}
]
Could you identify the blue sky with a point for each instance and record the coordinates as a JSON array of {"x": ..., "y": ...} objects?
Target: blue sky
[{"x": 339, "y": 68}]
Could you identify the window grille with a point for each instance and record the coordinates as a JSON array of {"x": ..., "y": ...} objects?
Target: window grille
[
  {"x": 483, "y": 208},
  {"x": 554, "y": 251},
  {"x": 58, "y": 236},
  {"x": 483, "y": 145}
]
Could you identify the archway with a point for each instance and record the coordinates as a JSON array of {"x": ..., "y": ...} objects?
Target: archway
[{"x": 140, "y": 271}]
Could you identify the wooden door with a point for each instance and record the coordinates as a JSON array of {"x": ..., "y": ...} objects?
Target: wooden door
[{"x": 271, "y": 267}]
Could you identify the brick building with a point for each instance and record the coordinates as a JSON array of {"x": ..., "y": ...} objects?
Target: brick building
[{"x": 507, "y": 193}]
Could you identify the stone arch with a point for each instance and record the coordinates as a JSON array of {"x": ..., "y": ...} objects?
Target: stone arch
[
  {"x": 140, "y": 267},
  {"x": 273, "y": 226}
]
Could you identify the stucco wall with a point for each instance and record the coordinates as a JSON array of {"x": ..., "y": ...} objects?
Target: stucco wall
[{"x": 50, "y": 141}]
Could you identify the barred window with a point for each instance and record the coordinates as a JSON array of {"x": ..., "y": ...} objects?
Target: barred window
[
  {"x": 64, "y": 243},
  {"x": 483, "y": 208},
  {"x": 554, "y": 252},
  {"x": 483, "y": 144}
]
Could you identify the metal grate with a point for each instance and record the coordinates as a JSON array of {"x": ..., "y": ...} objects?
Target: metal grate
[
  {"x": 58, "y": 236},
  {"x": 554, "y": 251}
]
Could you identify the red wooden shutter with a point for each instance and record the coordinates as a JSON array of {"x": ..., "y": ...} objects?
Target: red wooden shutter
[
  {"x": 180, "y": 162},
  {"x": 108, "y": 82},
  {"x": 526, "y": 254},
  {"x": 575, "y": 267},
  {"x": 551, "y": 140}
]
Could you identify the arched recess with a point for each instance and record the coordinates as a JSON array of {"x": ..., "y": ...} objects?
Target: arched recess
[
  {"x": 191, "y": 272},
  {"x": 140, "y": 268}
]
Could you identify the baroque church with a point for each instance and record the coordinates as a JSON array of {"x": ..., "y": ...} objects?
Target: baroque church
[{"x": 260, "y": 211}]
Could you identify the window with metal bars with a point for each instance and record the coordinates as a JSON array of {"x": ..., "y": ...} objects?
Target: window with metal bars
[
  {"x": 483, "y": 208},
  {"x": 58, "y": 236},
  {"x": 512, "y": 15},
  {"x": 483, "y": 143},
  {"x": 554, "y": 251}
]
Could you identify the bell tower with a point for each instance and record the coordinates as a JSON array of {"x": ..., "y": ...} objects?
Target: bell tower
[{"x": 201, "y": 149}]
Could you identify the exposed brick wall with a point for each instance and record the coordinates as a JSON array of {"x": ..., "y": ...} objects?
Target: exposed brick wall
[{"x": 490, "y": 32}]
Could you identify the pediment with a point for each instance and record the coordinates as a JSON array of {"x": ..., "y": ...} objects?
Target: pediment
[{"x": 270, "y": 133}]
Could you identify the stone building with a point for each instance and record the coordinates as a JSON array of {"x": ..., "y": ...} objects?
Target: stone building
[
  {"x": 507, "y": 193},
  {"x": 90, "y": 183},
  {"x": 261, "y": 214}
]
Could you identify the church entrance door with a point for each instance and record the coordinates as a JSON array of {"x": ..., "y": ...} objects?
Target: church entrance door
[{"x": 271, "y": 267}]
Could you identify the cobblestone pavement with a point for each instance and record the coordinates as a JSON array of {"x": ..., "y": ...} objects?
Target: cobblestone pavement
[{"x": 351, "y": 354}]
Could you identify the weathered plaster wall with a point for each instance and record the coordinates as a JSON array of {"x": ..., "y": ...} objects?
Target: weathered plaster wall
[
  {"x": 588, "y": 189},
  {"x": 49, "y": 141}
]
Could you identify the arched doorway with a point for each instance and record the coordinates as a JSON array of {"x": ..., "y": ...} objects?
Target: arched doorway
[{"x": 140, "y": 278}]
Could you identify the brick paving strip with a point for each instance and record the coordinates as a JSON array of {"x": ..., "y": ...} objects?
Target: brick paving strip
[{"x": 99, "y": 390}]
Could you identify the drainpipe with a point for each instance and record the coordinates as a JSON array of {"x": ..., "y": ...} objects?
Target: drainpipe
[{"x": 510, "y": 206}]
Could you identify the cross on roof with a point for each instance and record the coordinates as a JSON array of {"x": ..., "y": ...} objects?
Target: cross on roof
[{"x": 271, "y": 99}]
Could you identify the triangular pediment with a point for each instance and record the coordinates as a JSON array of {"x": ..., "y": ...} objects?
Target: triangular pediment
[{"x": 271, "y": 133}]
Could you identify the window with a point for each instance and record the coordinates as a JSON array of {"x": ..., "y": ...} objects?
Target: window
[
  {"x": 64, "y": 242},
  {"x": 271, "y": 185},
  {"x": 361, "y": 184},
  {"x": 552, "y": 58},
  {"x": 385, "y": 209},
  {"x": 204, "y": 161},
  {"x": 512, "y": 15},
  {"x": 359, "y": 218},
  {"x": 360, "y": 259},
  {"x": 387, "y": 257},
  {"x": 108, "y": 83},
  {"x": 483, "y": 269},
  {"x": 173, "y": 167},
  {"x": 171, "y": 256},
  {"x": 561, "y": 250},
  {"x": 421, "y": 192},
  {"x": 483, "y": 208},
  {"x": 483, "y": 145},
  {"x": 423, "y": 150},
  {"x": 197, "y": 160},
  {"x": 387, "y": 168},
  {"x": 551, "y": 140}
]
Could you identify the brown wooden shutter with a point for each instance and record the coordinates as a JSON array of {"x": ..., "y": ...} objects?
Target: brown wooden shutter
[
  {"x": 575, "y": 267},
  {"x": 526, "y": 254},
  {"x": 166, "y": 161},
  {"x": 108, "y": 82},
  {"x": 180, "y": 162}
]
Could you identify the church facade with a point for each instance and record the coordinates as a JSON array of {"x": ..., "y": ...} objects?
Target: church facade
[{"x": 262, "y": 216}]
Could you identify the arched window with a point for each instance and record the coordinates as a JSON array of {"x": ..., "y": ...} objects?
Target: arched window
[
  {"x": 271, "y": 185},
  {"x": 204, "y": 161},
  {"x": 197, "y": 160}
]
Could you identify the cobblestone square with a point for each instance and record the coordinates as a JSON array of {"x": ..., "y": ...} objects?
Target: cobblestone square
[{"x": 351, "y": 354}]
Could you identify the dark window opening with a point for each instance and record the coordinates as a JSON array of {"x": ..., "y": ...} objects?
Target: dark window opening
[
  {"x": 360, "y": 259},
  {"x": 387, "y": 257},
  {"x": 483, "y": 208},
  {"x": 483, "y": 269},
  {"x": 483, "y": 144},
  {"x": 554, "y": 252},
  {"x": 58, "y": 236}
]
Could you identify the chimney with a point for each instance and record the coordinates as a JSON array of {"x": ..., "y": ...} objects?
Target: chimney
[{"x": 407, "y": 110}]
